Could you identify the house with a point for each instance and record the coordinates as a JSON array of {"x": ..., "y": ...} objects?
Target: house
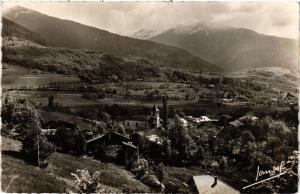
[
  {"x": 248, "y": 119},
  {"x": 48, "y": 132},
  {"x": 236, "y": 123},
  {"x": 202, "y": 119},
  {"x": 130, "y": 153},
  {"x": 242, "y": 121},
  {"x": 135, "y": 125},
  {"x": 151, "y": 142},
  {"x": 207, "y": 184},
  {"x": 154, "y": 139},
  {"x": 112, "y": 147}
]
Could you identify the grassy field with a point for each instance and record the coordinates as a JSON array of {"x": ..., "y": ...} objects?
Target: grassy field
[
  {"x": 56, "y": 116},
  {"x": 57, "y": 176},
  {"x": 63, "y": 99},
  {"x": 23, "y": 176},
  {"x": 17, "y": 77}
]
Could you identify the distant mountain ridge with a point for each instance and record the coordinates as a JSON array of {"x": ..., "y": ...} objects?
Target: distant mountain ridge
[
  {"x": 69, "y": 34},
  {"x": 232, "y": 48}
]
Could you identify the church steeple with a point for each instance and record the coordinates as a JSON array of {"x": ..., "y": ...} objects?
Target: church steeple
[
  {"x": 155, "y": 110},
  {"x": 155, "y": 119}
]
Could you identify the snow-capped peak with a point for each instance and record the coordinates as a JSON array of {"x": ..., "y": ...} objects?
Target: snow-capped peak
[
  {"x": 144, "y": 34},
  {"x": 17, "y": 11},
  {"x": 196, "y": 27}
]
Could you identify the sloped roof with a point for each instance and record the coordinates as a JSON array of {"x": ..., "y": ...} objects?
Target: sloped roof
[
  {"x": 129, "y": 145},
  {"x": 204, "y": 184},
  {"x": 201, "y": 119},
  {"x": 236, "y": 123},
  {"x": 113, "y": 135},
  {"x": 248, "y": 118},
  {"x": 155, "y": 108},
  {"x": 155, "y": 138},
  {"x": 95, "y": 138}
]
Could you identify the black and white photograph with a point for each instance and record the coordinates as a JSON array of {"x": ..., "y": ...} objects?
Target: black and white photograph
[{"x": 149, "y": 97}]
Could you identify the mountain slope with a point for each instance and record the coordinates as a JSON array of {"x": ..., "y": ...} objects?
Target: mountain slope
[
  {"x": 232, "y": 48},
  {"x": 64, "y": 33},
  {"x": 11, "y": 29},
  {"x": 25, "y": 48}
]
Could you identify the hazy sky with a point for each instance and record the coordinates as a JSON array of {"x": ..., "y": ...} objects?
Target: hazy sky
[{"x": 279, "y": 19}]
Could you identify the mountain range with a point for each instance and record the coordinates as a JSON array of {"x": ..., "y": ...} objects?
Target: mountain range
[
  {"x": 69, "y": 34},
  {"x": 195, "y": 47},
  {"x": 232, "y": 49}
]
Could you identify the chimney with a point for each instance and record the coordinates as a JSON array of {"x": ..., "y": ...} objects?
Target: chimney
[{"x": 215, "y": 181}]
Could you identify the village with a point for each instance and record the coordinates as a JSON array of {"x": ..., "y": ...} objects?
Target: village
[{"x": 140, "y": 145}]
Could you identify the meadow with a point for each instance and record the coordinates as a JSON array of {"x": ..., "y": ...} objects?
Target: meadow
[
  {"x": 58, "y": 172},
  {"x": 19, "y": 77}
]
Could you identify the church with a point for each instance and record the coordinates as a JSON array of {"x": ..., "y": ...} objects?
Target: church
[
  {"x": 151, "y": 122},
  {"x": 154, "y": 120}
]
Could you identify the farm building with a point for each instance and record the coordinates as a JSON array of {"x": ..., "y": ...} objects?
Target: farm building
[
  {"x": 209, "y": 184},
  {"x": 112, "y": 147}
]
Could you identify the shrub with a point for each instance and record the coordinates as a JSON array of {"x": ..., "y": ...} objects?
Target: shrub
[
  {"x": 84, "y": 181},
  {"x": 143, "y": 172}
]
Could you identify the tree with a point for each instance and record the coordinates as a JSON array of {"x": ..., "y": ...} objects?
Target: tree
[
  {"x": 187, "y": 148},
  {"x": 70, "y": 139},
  {"x": 104, "y": 116},
  {"x": 244, "y": 148},
  {"x": 51, "y": 104},
  {"x": 34, "y": 145},
  {"x": 223, "y": 164},
  {"x": 199, "y": 154},
  {"x": 165, "y": 112},
  {"x": 7, "y": 112},
  {"x": 121, "y": 129},
  {"x": 159, "y": 171},
  {"x": 176, "y": 131},
  {"x": 100, "y": 127}
]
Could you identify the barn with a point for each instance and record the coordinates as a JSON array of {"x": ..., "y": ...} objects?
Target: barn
[{"x": 112, "y": 147}]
